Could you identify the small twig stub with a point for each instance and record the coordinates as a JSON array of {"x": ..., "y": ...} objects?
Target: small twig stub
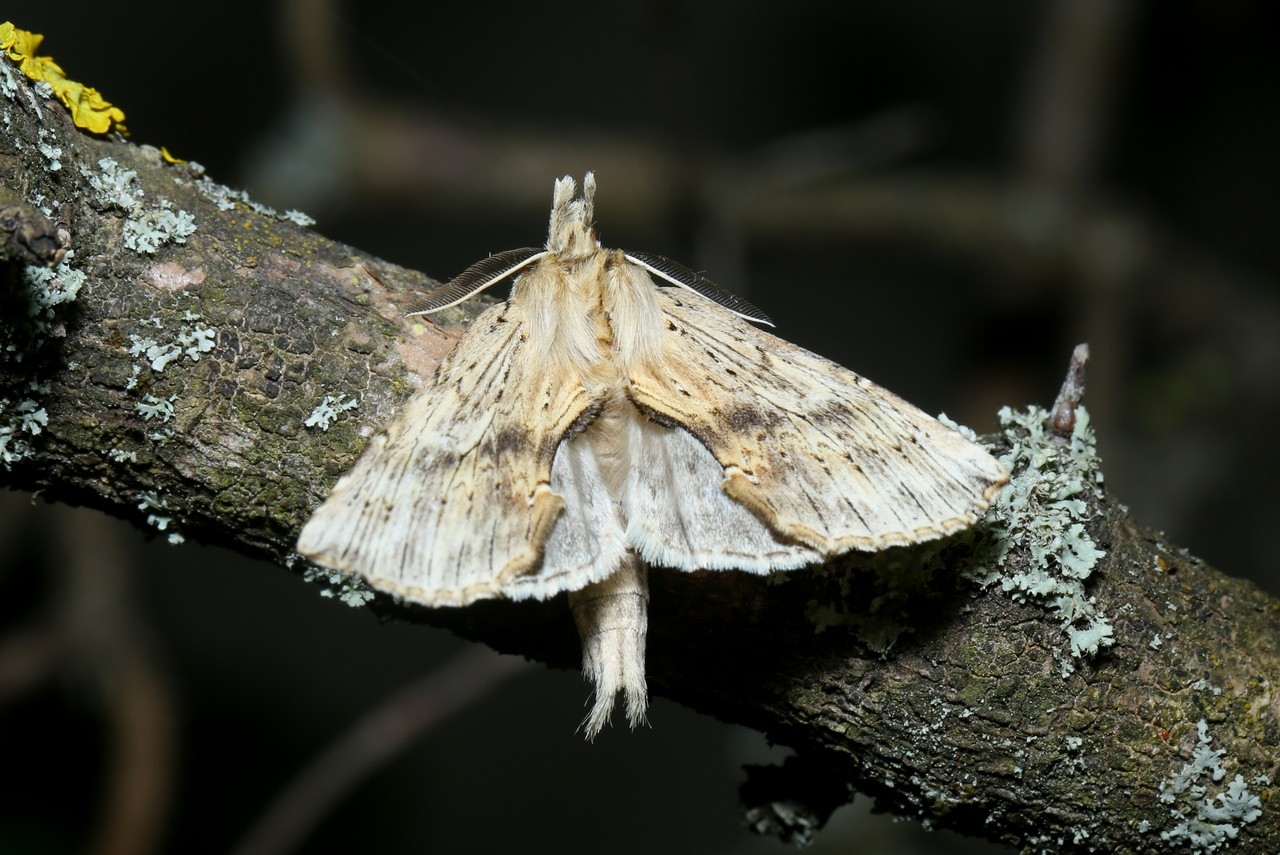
[{"x": 1062, "y": 420}]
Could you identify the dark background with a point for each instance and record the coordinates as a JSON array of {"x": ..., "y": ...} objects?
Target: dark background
[{"x": 1016, "y": 177}]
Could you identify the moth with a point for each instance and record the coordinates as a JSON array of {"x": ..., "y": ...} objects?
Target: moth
[{"x": 620, "y": 411}]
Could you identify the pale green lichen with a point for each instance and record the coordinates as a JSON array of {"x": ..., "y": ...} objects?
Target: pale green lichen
[
  {"x": 157, "y": 351},
  {"x": 25, "y": 417},
  {"x": 33, "y": 417},
  {"x": 327, "y": 411},
  {"x": 26, "y": 331},
  {"x": 114, "y": 185},
  {"x": 51, "y": 152},
  {"x": 8, "y": 86},
  {"x": 52, "y": 287},
  {"x": 220, "y": 195},
  {"x": 31, "y": 320},
  {"x": 1204, "y": 822},
  {"x": 196, "y": 340},
  {"x": 1043, "y": 512},
  {"x": 150, "y": 502},
  {"x": 349, "y": 589},
  {"x": 1073, "y": 746},
  {"x": 151, "y": 407},
  {"x": 227, "y": 199},
  {"x": 46, "y": 289},
  {"x": 146, "y": 229},
  {"x": 191, "y": 341},
  {"x": 1203, "y": 685}
]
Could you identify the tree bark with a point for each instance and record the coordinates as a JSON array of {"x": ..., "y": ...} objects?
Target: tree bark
[{"x": 966, "y": 721}]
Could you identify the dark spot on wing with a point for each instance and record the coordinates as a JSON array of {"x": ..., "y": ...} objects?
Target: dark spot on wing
[
  {"x": 508, "y": 441},
  {"x": 750, "y": 419}
]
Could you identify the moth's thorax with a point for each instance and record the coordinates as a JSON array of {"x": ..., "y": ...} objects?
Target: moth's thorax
[
  {"x": 630, "y": 302},
  {"x": 566, "y": 327},
  {"x": 584, "y": 272}
]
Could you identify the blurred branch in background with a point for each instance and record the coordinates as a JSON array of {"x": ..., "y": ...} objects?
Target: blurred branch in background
[
  {"x": 381, "y": 735},
  {"x": 90, "y": 638},
  {"x": 1063, "y": 125}
]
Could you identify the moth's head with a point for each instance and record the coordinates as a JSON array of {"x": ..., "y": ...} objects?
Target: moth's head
[{"x": 571, "y": 234}]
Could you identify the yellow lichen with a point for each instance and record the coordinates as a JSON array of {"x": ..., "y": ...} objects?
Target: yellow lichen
[{"x": 89, "y": 110}]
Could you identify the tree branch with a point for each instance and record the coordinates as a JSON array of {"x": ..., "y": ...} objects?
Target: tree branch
[{"x": 175, "y": 390}]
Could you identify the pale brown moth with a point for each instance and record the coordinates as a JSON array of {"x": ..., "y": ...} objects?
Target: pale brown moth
[{"x": 619, "y": 411}]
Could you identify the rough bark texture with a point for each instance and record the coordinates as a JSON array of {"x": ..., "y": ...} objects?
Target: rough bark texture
[{"x": 966, "y": 722}]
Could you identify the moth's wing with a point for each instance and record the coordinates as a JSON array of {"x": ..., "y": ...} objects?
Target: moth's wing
[
  {"x": 587, "y": 542},
  {"x": 821, "y": 455},
  {"x": 678, "y": 515},
  {"x": 452, "y": 501}
]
